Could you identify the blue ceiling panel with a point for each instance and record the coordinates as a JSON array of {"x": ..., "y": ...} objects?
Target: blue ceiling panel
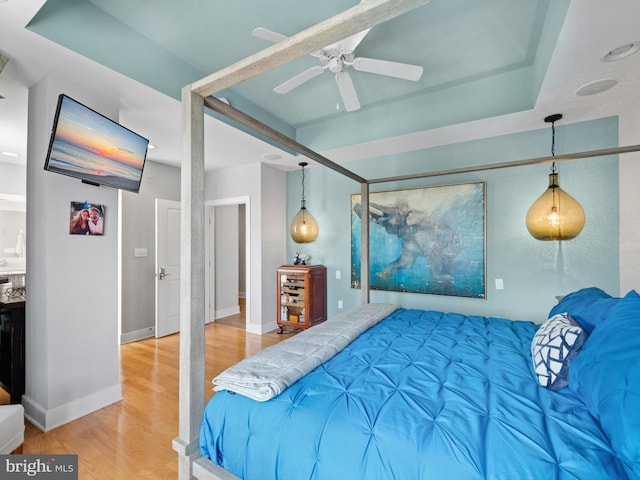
[{"x": 480, "y": 59}]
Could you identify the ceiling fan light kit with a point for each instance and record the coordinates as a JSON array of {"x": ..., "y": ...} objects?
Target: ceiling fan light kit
[{"x": 336, "y": 58}]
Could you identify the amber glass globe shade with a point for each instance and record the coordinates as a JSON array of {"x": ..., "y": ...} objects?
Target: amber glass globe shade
[
  {"x": 304, "y": 228},
  {"x": 555, "y": 215}
]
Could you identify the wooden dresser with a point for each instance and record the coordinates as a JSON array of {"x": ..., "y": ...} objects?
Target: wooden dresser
[{"x": 302, "y": 295}]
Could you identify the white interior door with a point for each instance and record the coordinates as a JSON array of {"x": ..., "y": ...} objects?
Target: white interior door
[{"x": 167, "y": 267}]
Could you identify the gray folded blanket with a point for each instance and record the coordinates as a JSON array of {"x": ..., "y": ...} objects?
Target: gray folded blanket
[{"x": 269, "y": 372}]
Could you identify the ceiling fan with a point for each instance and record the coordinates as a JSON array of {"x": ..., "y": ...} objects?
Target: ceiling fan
[{"x": 336, "y": 58}]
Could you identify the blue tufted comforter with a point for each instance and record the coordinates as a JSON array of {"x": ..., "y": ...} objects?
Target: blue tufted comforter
[{"x": 421, "y": 395}]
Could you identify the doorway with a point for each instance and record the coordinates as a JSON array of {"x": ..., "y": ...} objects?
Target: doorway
[
  {"x": 227, "y": 257},
  {"x": 167, "y": 267}
]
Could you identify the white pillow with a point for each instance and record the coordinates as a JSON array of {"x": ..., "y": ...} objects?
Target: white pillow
[{"x": 554, "y": 346}]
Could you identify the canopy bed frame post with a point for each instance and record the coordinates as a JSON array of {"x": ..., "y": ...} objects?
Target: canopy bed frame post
[
  {"x": 192, "y": 292},
  {"x": 364, "y": 243}
]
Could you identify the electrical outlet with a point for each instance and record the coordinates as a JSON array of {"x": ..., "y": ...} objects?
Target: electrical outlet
[{"x": 339, "y": 303}]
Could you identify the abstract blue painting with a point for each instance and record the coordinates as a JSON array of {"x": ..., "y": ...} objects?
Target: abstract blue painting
[{"x": 424, "y": 240}]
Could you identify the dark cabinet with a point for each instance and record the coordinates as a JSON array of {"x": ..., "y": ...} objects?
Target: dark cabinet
[{"x": 12, "y": 319}]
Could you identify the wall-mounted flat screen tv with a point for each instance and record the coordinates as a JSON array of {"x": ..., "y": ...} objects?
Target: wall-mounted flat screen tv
[{"x": 89, "y": 146}]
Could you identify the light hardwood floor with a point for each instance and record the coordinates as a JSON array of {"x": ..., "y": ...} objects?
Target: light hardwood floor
[{"x": 131, "y": 439}]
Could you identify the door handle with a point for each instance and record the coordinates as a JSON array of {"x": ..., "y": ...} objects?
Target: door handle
[{"x": 162, "y": 273}]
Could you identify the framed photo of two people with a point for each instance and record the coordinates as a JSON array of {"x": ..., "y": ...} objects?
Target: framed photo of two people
[{"x": 86, "y": 218}]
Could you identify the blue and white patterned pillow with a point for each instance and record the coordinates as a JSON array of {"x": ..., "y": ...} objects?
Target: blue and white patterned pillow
[{"x": 554, "y": 346}]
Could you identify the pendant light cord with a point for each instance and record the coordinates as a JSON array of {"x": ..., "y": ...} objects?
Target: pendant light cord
[
  {"x": 552, "y": 120},
  {"x": 553, "y": 146},
  {"x": 303, "y": 164}
]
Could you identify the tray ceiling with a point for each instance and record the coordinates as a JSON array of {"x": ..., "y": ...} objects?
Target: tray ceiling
[{"x": 480, "y": 59}]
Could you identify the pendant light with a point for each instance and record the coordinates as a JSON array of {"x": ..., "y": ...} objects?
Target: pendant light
[
  {"x": 303, "y": 228},
  {"x": 555, "y": 215}
]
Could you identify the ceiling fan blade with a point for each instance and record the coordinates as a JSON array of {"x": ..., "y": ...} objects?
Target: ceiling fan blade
[
  {"x": 391, "y": 69},
  {"x": 267, "y": 35},
  {"x": 299, "y": 79},
  {"x": 347, "y": 91}
]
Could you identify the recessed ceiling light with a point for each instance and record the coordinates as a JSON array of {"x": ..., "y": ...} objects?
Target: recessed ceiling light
[
  {"x": 9, "y": 154},
  {"x": 272, "y": 156},
  {"x": 151, "y": 146},
  {"x": 598, "y": 86},
  {"x": 621, "y": 52}
]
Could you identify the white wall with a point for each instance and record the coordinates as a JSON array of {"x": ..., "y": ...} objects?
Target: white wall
[
  {"x": 13, "y": 179},
  {"x": 629, "y": 200},
  {"x": 242, "y": 251},
  {"x": 72, "y": 365},
  {"x": 11, "y": 223},
  {"x": 13, "y": 217},
  {"x": 226, "y": 260},
  {"x": 266, "y": 188},
  {"x": 274, "y": 234},
  {"x": 138, "y": 231}
]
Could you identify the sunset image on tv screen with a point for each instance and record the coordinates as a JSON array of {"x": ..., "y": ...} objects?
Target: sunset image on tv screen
[{"x": 88, "y": 145}]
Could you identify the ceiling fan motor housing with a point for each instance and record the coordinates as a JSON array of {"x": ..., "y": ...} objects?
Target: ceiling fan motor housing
[{"x": 336, "y": 64}]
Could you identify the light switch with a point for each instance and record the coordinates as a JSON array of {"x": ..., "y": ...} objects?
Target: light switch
[
  {"x": 338, "y": 275},
  {"x": 499, "y": 284},
  {"x": 139, "y": 252}
]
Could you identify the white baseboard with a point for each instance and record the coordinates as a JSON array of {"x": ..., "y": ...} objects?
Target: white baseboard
[
  {"x": 47, "y": 420},
  {"x": 262, "y": 328},
  {"x": 137, "y": 335},
  {"x": 225, "y": 312},
  {"x": 252, "y": 328}
]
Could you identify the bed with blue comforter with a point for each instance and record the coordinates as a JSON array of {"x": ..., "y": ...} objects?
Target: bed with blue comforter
[{"x": 432, "y": 395}]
